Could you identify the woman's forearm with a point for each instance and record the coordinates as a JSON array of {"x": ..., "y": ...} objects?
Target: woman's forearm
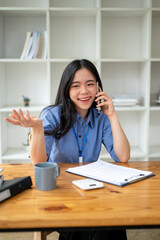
[
  {"x": 37, "y": 145},
  {"x": 120, "y": 143}
]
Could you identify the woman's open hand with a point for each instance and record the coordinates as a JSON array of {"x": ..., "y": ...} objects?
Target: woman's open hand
[{"x": 18, "y": 118}]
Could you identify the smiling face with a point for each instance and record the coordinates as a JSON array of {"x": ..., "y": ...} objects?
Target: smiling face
[{"x": 82, "y": 91}]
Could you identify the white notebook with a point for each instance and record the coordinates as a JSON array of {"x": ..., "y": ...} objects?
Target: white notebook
[{"x": 110, "y": 173}]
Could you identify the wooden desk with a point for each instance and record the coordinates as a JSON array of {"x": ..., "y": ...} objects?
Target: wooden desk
[{"x": 136, "y": 205}]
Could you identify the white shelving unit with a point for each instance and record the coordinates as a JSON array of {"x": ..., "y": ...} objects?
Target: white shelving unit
[{"x": 121, "y": 37}]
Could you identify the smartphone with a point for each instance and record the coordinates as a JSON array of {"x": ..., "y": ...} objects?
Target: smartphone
[
  {"x": 98, "y": 108},
  {"x": 88, "y": 184}
]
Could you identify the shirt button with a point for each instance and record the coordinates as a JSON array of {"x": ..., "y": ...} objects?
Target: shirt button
[{"x": 79, "y": 136}]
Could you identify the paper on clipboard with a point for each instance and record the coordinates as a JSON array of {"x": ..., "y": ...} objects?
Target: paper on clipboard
[
  {"x": 110, "y": 173},
  {"x": 1, "y": 169}
]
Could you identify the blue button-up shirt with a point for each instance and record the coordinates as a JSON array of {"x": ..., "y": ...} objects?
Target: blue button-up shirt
[{"x": 66, "y": 148}]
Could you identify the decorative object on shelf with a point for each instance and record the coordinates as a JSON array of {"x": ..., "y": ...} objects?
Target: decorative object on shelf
[{"x": 26, "y": 101}]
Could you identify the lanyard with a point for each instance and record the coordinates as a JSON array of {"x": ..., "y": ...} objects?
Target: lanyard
[{"x": 84, "y": 140}]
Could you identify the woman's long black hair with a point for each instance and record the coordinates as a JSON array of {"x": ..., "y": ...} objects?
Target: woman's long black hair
[{"x": 68, "y": 113}]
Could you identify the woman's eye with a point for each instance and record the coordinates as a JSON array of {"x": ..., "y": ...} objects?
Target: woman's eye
[
  {"x": 75, "y": 86},
  {"x": 90, "y": 84}
]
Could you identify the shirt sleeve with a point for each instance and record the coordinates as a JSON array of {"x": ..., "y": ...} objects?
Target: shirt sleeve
[
  {"x": 107, "y": 139},
  {"x": 50, "y": 120}
]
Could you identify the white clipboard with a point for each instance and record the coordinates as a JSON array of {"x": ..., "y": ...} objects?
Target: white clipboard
[{"x": 110, "y": 173}]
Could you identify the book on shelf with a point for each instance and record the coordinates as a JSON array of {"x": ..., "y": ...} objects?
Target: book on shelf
[
  {"x": 38, "y": 45},
  {"x": 33, "y": 49},
  {"x": 35, "y": 45},
  {"x": 26, "y": 44},
  {"x": 10, "y": 188},
  {"x": 42, "y": 50},
  {"x": 125, "y": 100}
]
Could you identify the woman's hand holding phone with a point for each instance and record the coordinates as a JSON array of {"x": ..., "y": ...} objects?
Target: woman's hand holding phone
[{"x": 104, "y": 102}]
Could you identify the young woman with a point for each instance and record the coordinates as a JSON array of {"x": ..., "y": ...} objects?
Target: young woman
[{"x": 73, "y": 130}]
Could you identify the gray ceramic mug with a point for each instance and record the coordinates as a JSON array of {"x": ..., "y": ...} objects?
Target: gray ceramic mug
[{"x": 46, "y": 174}]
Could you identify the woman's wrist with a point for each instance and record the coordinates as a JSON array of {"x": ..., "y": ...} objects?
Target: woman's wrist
[
  {"x": 113, "y": 116},
  {"x": 38, "y": 127}
]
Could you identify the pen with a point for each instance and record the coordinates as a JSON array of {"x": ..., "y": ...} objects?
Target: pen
[{"x": 1, "y": 180}]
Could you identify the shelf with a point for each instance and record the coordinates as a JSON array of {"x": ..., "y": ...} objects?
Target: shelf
[
  {"x": 15, "y": 154},
  {"x": 61, "y": 60},
  {"x": 22, "y": 12},
  {"x": 154, "y": 151},
  {"x": 29, "y": 108},
  {"x": 84, "y": 35},
  {"x": 77, "y": 4},
  {"x": 156, "y": 12},
  {"x": 83, "y": 4},
  {"x": 132, "y": 109},
  {"x": 33, "y": 85},
  {"x": 13, "y": 33},
  {"x": 155, "y": 108},
  {"x": 23, "y": 3},
  {"x": 155, "y": 47},
  {"x": 136, "y": 152},
  {"x": 72, "y": 12},
  {"x": 123, "y": 74},
  {"x": 125, "y": 4},
  {"x": 121, "y": 12},
  {"x": 125, "y": 60},
  {"x": 155, "y": 83},
  {"x": 127, "y": 30},
  {"x": 15, "y": 60},
  {"x": 39, "y": 108},
  {"x": 154, "y": 133},
  {"x": 155, "y": 4},
  {"x": 155, "y": 59},
  {"x": 121, "y": 37}
]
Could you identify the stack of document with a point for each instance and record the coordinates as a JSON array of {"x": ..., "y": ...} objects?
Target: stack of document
[
  {"x": 110, "y": 173},
  {"x": 125, "y": 100}
]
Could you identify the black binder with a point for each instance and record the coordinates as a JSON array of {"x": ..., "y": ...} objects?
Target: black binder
[{"x": 12, "y": 187}]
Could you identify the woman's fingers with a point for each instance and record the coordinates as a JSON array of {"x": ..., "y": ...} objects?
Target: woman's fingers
[
  {"x": 18, "y": 118},
  {"x": 14, "y": 122},
  {"x": 14, "y": 115},
  {"x": 103, "y": 97},
  {"x": 105, "y": 102},
  {"x": 27, "y": 116},
  {"x": 22, "y": 118}
]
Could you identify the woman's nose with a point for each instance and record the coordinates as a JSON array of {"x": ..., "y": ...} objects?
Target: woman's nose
[{"x": 84, "y": 89}]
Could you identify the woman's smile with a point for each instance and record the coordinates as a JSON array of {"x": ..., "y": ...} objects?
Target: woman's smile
[{"x": 84, "y": 99}]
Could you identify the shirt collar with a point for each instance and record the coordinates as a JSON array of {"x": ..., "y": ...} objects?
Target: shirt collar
[{"x": 89, "y": 119}]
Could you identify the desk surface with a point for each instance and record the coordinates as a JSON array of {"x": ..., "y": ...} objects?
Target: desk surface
[{"x": 134, "y": 205}]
